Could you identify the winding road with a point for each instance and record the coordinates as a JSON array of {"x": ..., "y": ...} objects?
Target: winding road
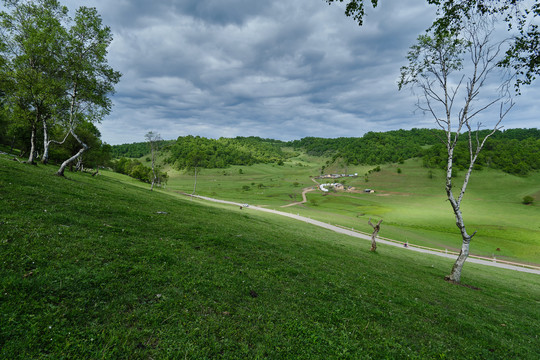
[{"x": 366, "y": 237}]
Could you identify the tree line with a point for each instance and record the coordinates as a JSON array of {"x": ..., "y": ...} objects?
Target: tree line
[
  {"x": 371, "y": 149},
  {"x": 514, "y": 151},
  {"x": 136, "y": 149},
  {"x": 55, "y": 82},
  {"x": 190, "y": 152},
  {"x": 137, "y": 170}
]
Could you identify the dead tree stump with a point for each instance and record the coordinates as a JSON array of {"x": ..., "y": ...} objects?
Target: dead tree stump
[{"x": 376, "y": 229}]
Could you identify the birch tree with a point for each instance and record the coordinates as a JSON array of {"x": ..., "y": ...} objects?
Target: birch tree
[
  {"x": 457, "y": 77},
  {"x": 89, "y": 78},
  {"x": 32, "y": 40},
  {"x": 153, "y": 140}
]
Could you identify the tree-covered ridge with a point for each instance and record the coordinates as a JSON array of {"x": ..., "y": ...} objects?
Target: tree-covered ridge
[
  {"x": 371, "y": 149},
  {"x": 514, "y": 151},
  {"x": 136, "y": 149},
  {"x": 195, "y": 151}
]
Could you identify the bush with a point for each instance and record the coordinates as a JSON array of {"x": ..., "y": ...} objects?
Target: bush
[
  {"x": 527, "y": 200},
  {"x": 399, "y": 170}
]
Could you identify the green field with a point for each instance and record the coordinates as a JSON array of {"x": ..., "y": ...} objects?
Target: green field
[
  {"x": 412, "y": 204},
  {"x": 95, "y": 267}
]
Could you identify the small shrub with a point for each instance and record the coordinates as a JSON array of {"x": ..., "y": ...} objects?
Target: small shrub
[
  {"x": 245, "y": 187},
  {"x": 399, "y": 170},
  {"x": 296, "y": 183},
  {"x": 430, "y": 174},
  {"x": 527, "y": 200}
]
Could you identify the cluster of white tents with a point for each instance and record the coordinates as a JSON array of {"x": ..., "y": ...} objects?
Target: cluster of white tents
[{"x": 324, "y": 187}]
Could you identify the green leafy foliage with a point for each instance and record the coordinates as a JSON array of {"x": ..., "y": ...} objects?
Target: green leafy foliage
[
  {"x": 195, "y": 151},
  {"x": 136, "y": 149},
  {"x": 528, "y": 200},
  {"x": 371, "y": 149},
  {"x": 55, "y": 78},
  {"x": 137, "y": 170},
  {"x": 514, "y": 151}
]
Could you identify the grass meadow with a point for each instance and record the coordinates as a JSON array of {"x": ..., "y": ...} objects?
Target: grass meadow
[
  {"x": 411, "y": 202},
  {"x": 102, "y": 268}
]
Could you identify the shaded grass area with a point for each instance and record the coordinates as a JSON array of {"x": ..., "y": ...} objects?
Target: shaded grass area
[{"x": 97, "y": 268}]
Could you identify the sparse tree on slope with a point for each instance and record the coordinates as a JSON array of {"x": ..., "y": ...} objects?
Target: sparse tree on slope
[
  {"x": 376, "y": 229},
  {"x": 455, "y": 73},
  {"x": 153, "y": 140}
]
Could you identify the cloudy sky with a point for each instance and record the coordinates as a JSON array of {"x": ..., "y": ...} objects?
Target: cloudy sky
[{"x": 277, "y": 69}]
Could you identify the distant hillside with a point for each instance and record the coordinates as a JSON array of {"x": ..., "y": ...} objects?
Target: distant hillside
[
  {"x": 372, "y": 148},
  {"x": 515, "y": 151},
  {"x": 135, "y": 150},
  {"x": 195, "y": 151}
]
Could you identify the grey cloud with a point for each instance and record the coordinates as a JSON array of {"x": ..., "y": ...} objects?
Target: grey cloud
[{"x": 276, "y": 68}]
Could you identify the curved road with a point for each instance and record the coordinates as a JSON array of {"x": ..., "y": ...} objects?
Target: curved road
[{"x": 366, "y": 237}]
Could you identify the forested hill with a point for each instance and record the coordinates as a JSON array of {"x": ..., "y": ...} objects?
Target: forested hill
[
  {"x": 516, "y": 151},
  {"x": 135, "y": 150},
  {"x": 373, "y": 148},
  {"x": 195, "y": 151}
]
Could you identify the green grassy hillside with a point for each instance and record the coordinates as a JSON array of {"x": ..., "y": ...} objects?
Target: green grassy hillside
[{"x": 94, "y": 267}]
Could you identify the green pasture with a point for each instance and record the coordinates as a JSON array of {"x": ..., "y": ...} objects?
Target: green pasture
[
  {"x": 102, "y": 268},
  {"x": 412, "y": 203}
]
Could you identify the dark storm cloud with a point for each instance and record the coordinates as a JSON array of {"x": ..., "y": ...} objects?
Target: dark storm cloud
[{"x": 277, "y": 68}]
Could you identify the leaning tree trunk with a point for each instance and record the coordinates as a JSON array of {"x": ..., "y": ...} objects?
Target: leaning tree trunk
[
  {"x": 376, "y": 229},
  {"x": 74, "y": 157},
  {"x": 455, "y": 274}
]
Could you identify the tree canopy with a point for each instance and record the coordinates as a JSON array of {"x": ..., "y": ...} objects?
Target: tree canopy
[{"x": 55, "y": 77}]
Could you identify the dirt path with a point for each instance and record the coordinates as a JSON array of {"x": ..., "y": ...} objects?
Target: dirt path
[
  {"x": 304, "y": 198},
  {"x": 367, "y": 237}
]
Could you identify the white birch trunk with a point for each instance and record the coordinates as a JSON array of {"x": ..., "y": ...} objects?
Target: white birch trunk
[
  {"x": 32, "y": 144},
  {"x": 74, "y": 157},
  {"x": 46, "y": 143}
]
